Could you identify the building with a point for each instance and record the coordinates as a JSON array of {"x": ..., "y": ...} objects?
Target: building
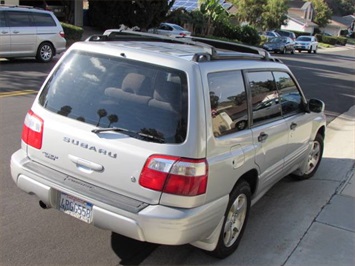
[{"x": 300, "y": 17}]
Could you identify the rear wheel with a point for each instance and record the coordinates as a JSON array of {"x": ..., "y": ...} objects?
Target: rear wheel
[
  {"x": 315, "y": 50},
  {"x": 45, "y": 53},
  {"x": 235, "y": 221}
]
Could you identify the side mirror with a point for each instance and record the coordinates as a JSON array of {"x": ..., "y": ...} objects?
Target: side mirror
[{"x": 316, "y": 106}]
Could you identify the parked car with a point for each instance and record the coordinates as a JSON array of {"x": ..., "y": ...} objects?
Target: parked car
[
  {"x": 286, "y": 33},
  {"x": 306, "y": 43},
  {"x": 127, "y": 134},
  {"x": 28, "y": 32},
  {"x": 280, "y": 45},
  {"x": 170, "y": 29},
  {"x": 56, "y": 6},
  {"x": 269, "y": 35}
]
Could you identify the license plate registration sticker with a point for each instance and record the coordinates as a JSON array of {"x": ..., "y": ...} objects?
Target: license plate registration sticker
[{"x": 78, "y": 208}]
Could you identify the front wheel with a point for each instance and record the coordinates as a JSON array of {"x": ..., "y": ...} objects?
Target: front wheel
[
  {"x": 45, "y": 53},
  {"x": 314, "y": 158},
  {"x": 235, "y": 221}
]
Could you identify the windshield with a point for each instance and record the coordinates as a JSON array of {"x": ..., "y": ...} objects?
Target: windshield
[
  {"x": 109, "y": 92},
  {"x": 276, "y": 40}
]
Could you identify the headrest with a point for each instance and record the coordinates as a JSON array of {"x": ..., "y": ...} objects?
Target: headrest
[{"x": 132, "y": 82}]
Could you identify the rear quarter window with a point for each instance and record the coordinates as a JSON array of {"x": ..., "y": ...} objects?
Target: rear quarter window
[
  {"x": 228, "y": 102},
  {"x": 43, "y": 20}
]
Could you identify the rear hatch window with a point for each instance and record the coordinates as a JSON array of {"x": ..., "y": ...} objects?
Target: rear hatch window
[{"x": 142, "y": 100}]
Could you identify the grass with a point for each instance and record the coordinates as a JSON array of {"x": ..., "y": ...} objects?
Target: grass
[{"x": 325, "y": 45}]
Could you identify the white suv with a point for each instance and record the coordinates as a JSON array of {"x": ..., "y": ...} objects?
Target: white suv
[
  {"x": 28, "y": 32},
  {"x": 136, "y": 133}
]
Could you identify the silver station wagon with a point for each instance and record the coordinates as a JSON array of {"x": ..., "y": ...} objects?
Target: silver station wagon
[
  {"x": 166, "y": 140},
  {"x": 29, "y": 32}
]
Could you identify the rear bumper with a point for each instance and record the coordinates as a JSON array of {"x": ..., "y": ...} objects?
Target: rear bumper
[{"x": 137, "y": 220}]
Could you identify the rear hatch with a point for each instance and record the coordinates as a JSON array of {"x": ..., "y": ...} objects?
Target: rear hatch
[{"x": 102, "y": 117}]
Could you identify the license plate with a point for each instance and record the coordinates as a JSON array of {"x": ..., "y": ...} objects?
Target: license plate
[{"x": 75, "y": 207}]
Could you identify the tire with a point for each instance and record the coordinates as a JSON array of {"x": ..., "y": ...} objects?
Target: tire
[
  {"x": 45, "y": 52},
  {"x": 235, "y": 221},
  {"x": 241, "y": 125},
  {"x": 292, "y": 51},
  {"x": 310, "y": 50},
  {"x": 314, "y": 158},
  {"x": 315, "y": 50},
  {"x": 299, "y": 51}
]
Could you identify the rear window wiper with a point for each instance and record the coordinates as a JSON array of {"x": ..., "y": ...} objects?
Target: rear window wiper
[{"x": 129, "y": 132}]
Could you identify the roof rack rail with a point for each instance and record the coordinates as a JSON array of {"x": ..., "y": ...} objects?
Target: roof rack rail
[{"x": 210, "y": 45}]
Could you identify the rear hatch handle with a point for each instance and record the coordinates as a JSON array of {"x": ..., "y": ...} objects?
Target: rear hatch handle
[{"x": 85, "y": 165}]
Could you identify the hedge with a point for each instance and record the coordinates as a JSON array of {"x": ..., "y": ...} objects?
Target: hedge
[
  {"x": 331, "y": 39},
  {"x": 72, "y": 33}
]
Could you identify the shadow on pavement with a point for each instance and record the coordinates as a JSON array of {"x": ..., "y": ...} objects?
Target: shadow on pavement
[{"x": 130, "y": 251}]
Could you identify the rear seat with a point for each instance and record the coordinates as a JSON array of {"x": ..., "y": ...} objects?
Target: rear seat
[
  {"x": 131, "y": 100},
  {"x": 142, "y": 106}
]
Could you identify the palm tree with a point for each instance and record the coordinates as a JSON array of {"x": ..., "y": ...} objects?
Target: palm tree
[{"x": 102, "y": 113}]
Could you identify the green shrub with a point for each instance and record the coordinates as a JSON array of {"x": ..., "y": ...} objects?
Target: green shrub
[
  {"x": 342, "y": 40},
  {"x": 72, "y": 33},
  {"x": 249, "y": 35},
  {"x": 329, "y": 39},
  {"x": 319, "y": 37}
]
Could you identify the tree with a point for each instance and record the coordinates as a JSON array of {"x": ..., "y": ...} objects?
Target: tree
[
  {"x": 141, "y": 13},
  {"x": 249, "y": 11},
  {"x": 341, "y": 7},
  {"x": 274, "y": 14},
  {"x": 323, "y": 13},
  {"x": 214, "y": 12}
]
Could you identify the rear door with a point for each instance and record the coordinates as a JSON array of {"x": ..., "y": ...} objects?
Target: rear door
[
  {"x": 23, "y": 33},
  {"x": 270, "y": 132}
]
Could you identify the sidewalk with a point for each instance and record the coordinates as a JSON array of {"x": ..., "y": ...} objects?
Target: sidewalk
[{"x": 330, "y": 240}]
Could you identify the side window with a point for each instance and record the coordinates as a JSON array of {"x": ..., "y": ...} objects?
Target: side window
[
  {"x": 19, "y": 19},
  {"x": 2, "y": 19},
  {"x": 265, "y": 98},
  {"x": 291, "y": 99},
  {"x": 228, "y": 102},
  {"x": 43, "y": 20}
]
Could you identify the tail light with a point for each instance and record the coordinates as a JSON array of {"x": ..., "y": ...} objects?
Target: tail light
[
  {"x": 61, "y": 33},
  {"x": 175, "y": 175},
  {"x": 32, "y": 131}
]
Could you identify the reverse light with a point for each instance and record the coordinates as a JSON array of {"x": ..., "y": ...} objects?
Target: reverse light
[
  {"x": 175, "y": 175},
  {"x": 32, "y": 131}
]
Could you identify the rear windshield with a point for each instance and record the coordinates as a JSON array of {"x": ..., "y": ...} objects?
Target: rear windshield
[{"x": 115, "y": 92}]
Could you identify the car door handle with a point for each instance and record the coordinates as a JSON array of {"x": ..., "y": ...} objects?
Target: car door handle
[
  {"x": 4, "y": 32},
  {"x": 293, "y": 126},
  {"x": 262, "y": 137},
  {"x": 16, "y": 32}
]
